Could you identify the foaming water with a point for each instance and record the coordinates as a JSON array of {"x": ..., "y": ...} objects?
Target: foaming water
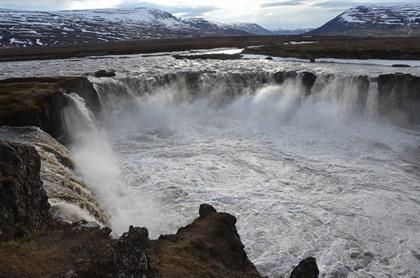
[
  {"x": 99, "y": 166},
  {"x": 316, "y": 174}
]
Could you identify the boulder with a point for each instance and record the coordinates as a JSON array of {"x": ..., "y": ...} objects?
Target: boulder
[
  {"x": 307, "y": 268},
  {"x": 104, "y": 73}
]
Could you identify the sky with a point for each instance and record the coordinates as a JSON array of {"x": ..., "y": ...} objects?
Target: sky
[{"x": 272, "y": 14}]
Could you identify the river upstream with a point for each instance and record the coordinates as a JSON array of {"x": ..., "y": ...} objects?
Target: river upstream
[{"x": 317, "y": 173}]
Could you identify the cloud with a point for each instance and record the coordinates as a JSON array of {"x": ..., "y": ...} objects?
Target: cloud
[
  {"x": 187, "y": 11},
  {"x": 268, "y": 13},
  {"x": 51, "y": 5},
  {"x": 332, "y": 5},
  {"x": 282, "y": 3}
]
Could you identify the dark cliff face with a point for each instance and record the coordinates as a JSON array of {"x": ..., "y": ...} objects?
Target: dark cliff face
[
  {"x": 40, "y": 101},
  {"x": 24, "y": 206}
]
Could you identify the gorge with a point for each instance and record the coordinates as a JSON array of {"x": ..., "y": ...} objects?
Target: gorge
[{"x": 313, "y": 159}]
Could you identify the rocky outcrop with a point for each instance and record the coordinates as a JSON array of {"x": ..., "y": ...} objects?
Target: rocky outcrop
[
  {"x": 39, "y": 102},
  {"x": 24, "y": 206},
  {"x": 399, "y": 97},
  {"x": 209, "y": 247},
  {"x": 307, "y": 268},
  {"x": 104, "y": 73}
]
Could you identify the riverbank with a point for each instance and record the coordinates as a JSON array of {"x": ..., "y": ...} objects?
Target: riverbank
[{"x": 305, "y": 47}]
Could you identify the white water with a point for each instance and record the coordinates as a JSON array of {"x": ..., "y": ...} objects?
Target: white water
[{"x": 304, "y": 176}]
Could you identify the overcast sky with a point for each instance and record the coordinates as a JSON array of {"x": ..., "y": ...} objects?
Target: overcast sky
[{"x": 268, "y": 13}]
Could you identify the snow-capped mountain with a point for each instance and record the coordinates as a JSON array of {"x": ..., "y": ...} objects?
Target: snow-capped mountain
[
  {"x": 398, "y": 20},
  {"x": 28, "y": 28},
  {"x": 251, "y": 28}
]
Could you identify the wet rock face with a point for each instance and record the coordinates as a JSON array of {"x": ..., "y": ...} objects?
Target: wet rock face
[
  {"x": 40, "y": 101},
  {"x": 209, "y": 247},
  {"x": 24, "y": 206},
  {"x": 399, "y": 97},
  {"x": 307, "y": 268}
]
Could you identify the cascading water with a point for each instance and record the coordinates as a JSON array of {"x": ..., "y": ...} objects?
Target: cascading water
[
  {"x": 98, "y": 165},
  {"x": 70, "y": 198},
  {"x": 308, "y": 170}
]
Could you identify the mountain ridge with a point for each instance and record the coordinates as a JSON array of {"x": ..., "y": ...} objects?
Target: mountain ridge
[
  {"x": 374, "y": 20},
  {"x": 46, "y": 28}
]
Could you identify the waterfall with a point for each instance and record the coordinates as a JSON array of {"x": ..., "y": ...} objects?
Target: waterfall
[
  {"x": 70, "y": 198},
  {"x": 305, "y": 149},
  {"x": 344, "y": 94},
  {"x": 357, "y": 95},
  {"x": 263, "y": 98},
  {"x": 77, "y": 117},
  {"x": 372, "y": 100}
]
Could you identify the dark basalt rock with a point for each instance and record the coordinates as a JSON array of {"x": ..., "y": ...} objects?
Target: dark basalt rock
[
  {"x": 206, "y": 209},
  {"x": 401, "y": 66},
  {"x": 307, "y": 268},
  {"x": 209, "y": 247},
  {"x": 131, "y": 253},
  {"x": 24, "y": 206},
  {"x": 104, "y": 73}
]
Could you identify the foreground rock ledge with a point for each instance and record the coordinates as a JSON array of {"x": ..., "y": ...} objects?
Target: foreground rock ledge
[{"x": 33, "y": 244}]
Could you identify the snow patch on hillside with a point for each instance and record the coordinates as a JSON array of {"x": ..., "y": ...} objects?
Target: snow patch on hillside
[{"x": 383, "y": 15}]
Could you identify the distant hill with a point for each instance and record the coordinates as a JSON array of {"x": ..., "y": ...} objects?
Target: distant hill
[
  {"x": 375, "y": 21},
  {"x": 291, "y": 32},
  {"x": 251, "y": 28},
  {"x": 32, "y": 28}
]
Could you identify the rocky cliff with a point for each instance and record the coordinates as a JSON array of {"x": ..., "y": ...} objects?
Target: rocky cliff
[
  {"x": 39, "y": 102},
  {"x": 24, "y": 206}
]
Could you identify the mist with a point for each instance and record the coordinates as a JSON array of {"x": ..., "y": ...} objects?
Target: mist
[{"x": 285, "y": 162}]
